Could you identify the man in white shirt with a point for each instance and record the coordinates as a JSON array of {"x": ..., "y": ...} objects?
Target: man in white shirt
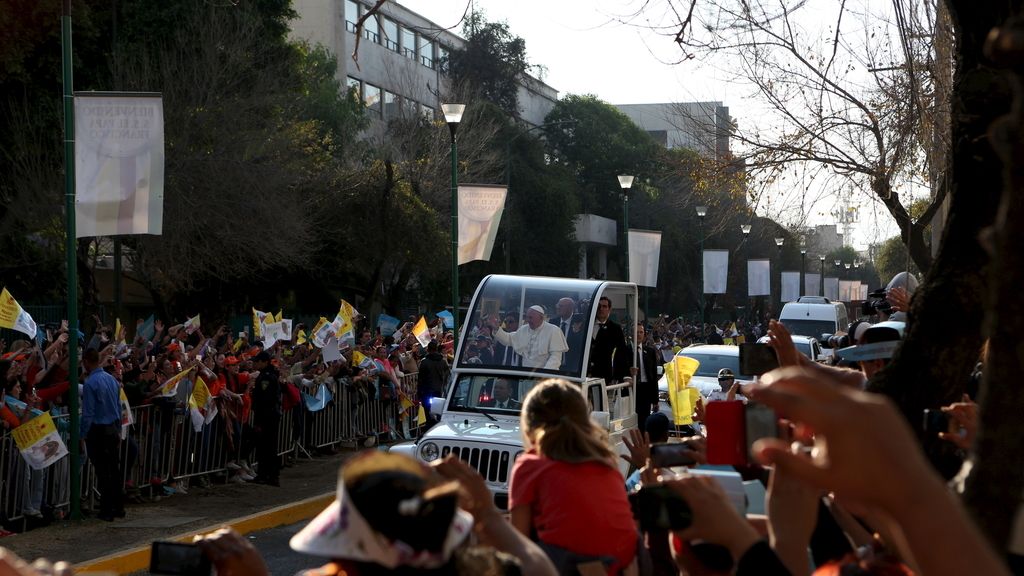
[
  {"x": 539, "y": 343},
  {"x": 728, "y": 388}
]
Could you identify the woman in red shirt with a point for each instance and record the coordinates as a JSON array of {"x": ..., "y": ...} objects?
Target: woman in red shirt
[{"x": 567, "y": 488}]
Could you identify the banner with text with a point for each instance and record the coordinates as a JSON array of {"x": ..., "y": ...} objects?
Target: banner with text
[
  {"x": 480, "y": 208},
  {"x": 759, "y": 274},
  {"x": 790, "y": 286},
  {"x": 812, "y": 284},
  {"x": 716, "y": 271},
  {"x": 119, "y": 164},
  {"x": 644, "y": 256},
  {"x": 846, "y": 290}
]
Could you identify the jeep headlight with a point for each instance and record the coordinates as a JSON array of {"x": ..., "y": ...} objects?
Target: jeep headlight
[{"x": 429, "y": 452}]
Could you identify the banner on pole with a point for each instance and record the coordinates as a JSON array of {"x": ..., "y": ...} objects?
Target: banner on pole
[
  {"x": 759, "y": 277},
  {"x": 790, "y": 286},
  {"x": 716, "y": 271},
  {"x": 812, "y": 284},
  {"x": 846, "y": 290},
  {"x": 863, "y": 292},
  {"x": 644, "y": 256},
  {"x": 832, "y": 288},
  {"x": 119, "y": 164},
  {"x": 480, "y": 209}
]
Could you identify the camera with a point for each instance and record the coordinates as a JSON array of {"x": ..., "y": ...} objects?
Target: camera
[
  {"x": 876, "y": 302},
  {"x": 835, "y": 341}
]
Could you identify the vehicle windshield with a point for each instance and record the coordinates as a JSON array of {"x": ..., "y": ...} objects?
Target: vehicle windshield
[
  {"x": 506, "y": 327},
  {"x": 503, "y": 394},
  {"x": 710, "y": 364},
  {"x": 810, "y": 328}
]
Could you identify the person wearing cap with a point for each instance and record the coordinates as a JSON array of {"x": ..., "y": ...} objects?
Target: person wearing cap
[
  {"x": 875, "y": 347},
  {"x": 393, "y": 515},
  {"x": 540, "y": 344},
  {"x": 728, "y": 388},
  {"x": 267, "y": 404},
  {"x": 608, "y": 343}
]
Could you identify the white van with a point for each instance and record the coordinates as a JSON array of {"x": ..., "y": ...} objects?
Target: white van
[{"x": 815, "y": 318}]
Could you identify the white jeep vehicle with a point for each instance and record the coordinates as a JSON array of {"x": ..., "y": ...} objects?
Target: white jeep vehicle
[{"x": 479, "y": 420}]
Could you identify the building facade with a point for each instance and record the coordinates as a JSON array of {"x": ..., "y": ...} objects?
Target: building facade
[
  {"x": 703, "y": 127},
  {"x": 400, "y": 58}
]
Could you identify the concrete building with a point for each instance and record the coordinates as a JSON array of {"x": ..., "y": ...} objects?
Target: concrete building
[
  {"x": 703, "y": 127},
  {"x": 400, "y": 57}
]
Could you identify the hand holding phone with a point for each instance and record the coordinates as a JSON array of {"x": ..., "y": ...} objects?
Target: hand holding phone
[
  {"x": 670, "y": 454},
  {"x": 658, "y": 507},
  {"x": 733, "y": 427},
  {"x": 756, "y": 359}
]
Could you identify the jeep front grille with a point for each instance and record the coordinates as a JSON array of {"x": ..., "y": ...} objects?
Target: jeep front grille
[{"x": 493, "y": 465}]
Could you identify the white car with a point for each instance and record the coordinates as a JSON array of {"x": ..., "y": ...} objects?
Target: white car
[
  {"x": 712, "y": 358},
  {"x": 805, "y": 345}
]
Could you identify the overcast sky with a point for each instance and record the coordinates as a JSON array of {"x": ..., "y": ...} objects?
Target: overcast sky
[{"x": 587, "y": 47}]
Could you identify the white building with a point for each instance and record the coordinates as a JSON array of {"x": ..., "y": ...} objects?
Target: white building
[
  {"x": 399, "y": 57},
  {"x": 703, "y": 127}
]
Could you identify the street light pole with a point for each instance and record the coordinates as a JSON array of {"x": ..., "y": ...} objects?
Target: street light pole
[
  {"x": 821, "y": 276},
  {"x": 778, "y": 244},
  {"x": 745, "y": 228},
  {"x": 803, "y": 265},
  {"x": 625, "y": 183},
  {"x": 453, "y": 115},
  {"x": 702, "y": 211}
]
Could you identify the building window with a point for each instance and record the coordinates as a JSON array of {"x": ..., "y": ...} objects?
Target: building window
[
  {"x": 391, "y": 106},
  {"x": 409, "y": 43},
  {"x": 426, "y": 52},
  {"x": 390, "y": 33},
  {"x": 351, "y": 15},
  {"x": 426, "y": 111},
  {"x": 354, "y": 85},
  {"x": 371, "y": 97},
  {"x": 442, "y": 58},
  {"x": 371, "y": 29}
]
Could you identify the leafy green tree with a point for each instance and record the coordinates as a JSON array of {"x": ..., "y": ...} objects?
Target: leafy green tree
[{"x": 491, "y": 63}]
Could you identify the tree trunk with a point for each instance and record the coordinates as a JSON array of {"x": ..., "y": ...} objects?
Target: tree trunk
[
  {"x": 943, "y": 336},
  {"x": 993, "y": 489}
]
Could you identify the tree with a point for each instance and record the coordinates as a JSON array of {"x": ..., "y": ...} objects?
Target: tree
[{"x": 491, "y": 64}]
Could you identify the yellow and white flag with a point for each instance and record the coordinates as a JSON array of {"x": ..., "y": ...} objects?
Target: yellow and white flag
[
  {"x": 344, "y": 319},
  {"x": 421, "y": 332},
  {"x": 192, "y": 324},
  {"x": 170, "y": 387},
  {"x": 13, "y": 316},
  {"x": 258, "y": 317},
  {"x": 322, "y": 332},
  {"x": 679, "y": 372},
  {"x": 201, "y": 405}
]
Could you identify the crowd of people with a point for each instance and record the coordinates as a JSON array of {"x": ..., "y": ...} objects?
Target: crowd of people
[
  {"x": 570, "y": 510},
  {"x": 249, "y": 389}
]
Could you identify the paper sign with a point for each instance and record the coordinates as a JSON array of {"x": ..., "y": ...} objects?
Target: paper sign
[
  {"x": 330, "y": 350},
  {"x": 39, "y": 442}
]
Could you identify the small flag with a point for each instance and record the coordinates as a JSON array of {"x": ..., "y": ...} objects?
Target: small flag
[
  {"x": 421, "y": 332},
  {"x": 170, "y": 387},
  {"x": 13, "y": 316},
  {"x": 192, "y": 324},
  {"x": 421, "y": 416},
  {"x": 147, "y": 329},
  {"x": 257, "y": 323}
]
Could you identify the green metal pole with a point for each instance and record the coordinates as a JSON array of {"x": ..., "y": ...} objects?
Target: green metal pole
[
  {"x": 625, "y": 228},
  {"x": 455, "y": 227},
  {"x": 700, "y": 282},
  {"x": 70, "y": 249}
]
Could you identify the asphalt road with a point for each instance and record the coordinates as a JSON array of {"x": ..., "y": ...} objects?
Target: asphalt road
[{"x": 273, "y": 546}]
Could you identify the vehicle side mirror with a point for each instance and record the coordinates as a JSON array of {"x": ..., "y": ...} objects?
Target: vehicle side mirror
[{"x": 602, "y": 419}]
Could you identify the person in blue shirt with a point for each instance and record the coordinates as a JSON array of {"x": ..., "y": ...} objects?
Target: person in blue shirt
[{"x": 101, "y": 429}]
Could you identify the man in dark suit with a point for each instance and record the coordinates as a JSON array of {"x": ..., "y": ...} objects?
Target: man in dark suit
[
  {"x": 501, "y": 396},
  {"x": 574, "y": 338},
  {"x": 645, "y": 375},
  {"x": 505, "y": 355},
  {"x": 609, "y": 342}
]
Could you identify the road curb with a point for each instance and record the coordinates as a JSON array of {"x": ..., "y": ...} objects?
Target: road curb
[{"x": 135, "y": 559}]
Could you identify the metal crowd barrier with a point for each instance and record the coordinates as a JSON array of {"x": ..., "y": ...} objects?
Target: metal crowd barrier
[{"x": 162, "y": 445}]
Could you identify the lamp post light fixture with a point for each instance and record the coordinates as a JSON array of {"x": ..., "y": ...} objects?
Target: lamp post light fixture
[
  {"x": 702, "y": 211},
  {"x": 453, "y": 115},
  {"x": 821, "y": 259},
  {"x": 625, "y": 183},
  {"x": 745, "y": 228}
]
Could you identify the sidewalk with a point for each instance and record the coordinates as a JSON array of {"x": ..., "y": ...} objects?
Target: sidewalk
[{"x": 306, "y": 488}]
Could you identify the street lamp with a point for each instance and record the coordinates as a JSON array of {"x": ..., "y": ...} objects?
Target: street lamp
[
  {"x": 803, "y": 263},
  {"x": 625, "y": 182},
  {"x": 702, "y": 211},
  {"x": 745, "y": 228},
  {"x": 778, "y": 244},
  {"x": 821, "y": 259},
  {"x": 453, "y": 115}
]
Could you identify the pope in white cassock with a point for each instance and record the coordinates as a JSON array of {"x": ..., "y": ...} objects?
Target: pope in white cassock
[{"x": 540, "y": 343}]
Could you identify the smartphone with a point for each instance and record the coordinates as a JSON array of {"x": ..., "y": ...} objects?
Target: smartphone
[
  {"x": 756, "y": 359},
  {"x": 659, "y": 507},
  {"x": 935, "y": 421},
  {"x": 178, "y": 558},
  {"x": 733, "y": 427},
  {"x": 669, "y": 454}
]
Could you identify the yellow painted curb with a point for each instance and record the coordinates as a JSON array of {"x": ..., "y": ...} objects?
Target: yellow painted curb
[{"x": 135, "y": 559}]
